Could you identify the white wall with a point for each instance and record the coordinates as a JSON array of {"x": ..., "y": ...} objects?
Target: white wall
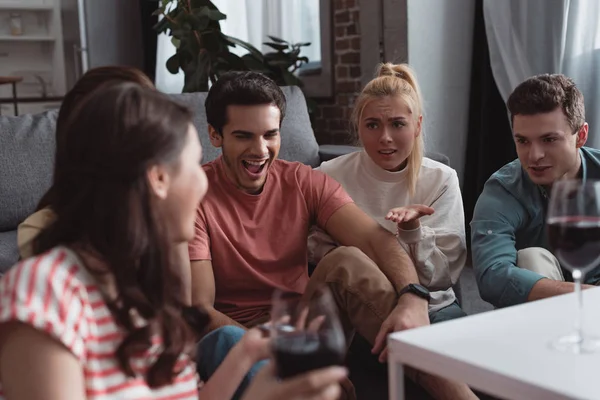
[{"x": 440, "y": 36}]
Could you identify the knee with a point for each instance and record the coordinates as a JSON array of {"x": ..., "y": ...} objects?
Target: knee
[
  {"x": 532, "y": 255},
  {"x": 225, "y": 335},
  {"x": 220, "y": 340},
  {"x": 348, "y": 258},
  {"x": 214, "y": 346}
]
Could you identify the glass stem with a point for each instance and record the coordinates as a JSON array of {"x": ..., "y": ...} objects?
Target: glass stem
[{"x": 577, "y": 277}]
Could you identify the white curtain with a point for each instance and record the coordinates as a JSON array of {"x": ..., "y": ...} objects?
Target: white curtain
[
  {"x": 547, "y": 36},
  {"x": 251, "y": 21}
]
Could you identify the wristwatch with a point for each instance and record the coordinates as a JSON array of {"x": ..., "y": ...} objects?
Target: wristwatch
[{"x": 417, "y": 290}]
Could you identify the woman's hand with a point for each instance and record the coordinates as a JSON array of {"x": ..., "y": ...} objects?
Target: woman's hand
[
  {"x": 255, "y": 344},
  {"x": 407, "y": 217},
  {"x": 321, "y": 384}
]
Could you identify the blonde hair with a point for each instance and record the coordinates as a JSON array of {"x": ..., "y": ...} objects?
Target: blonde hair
[{"x": 396, "y": 80}]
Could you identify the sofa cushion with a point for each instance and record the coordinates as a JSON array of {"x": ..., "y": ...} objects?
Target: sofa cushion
[
  {"x": 9, "y": 254},
  {"x": 298, "y": 141},
  {"x": 27, "y": 146}
]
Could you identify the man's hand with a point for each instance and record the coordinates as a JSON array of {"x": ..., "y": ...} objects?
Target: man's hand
[
  {"x": 407, "y": 217},
  {"x": 411, "y": 312}
]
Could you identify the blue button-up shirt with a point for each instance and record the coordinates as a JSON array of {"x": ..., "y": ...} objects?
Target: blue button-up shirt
[{"x": 510, "y": 215}]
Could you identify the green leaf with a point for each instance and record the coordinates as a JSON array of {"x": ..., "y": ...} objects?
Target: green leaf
[
  {"x": 231, "y": 61},
  {"x": 276, "y": 46},
  {"x": 302, "y": 44},
  {"x": 285, "y": 64},
  {"x": 253, "y": 64},
  {"x": 176, "y": 42},
  {"x": 162, "y": 25},
  {"x": 253, "y": 50},
  {"x": 158, "y": 11},
  {"x": 199, "y": 23},
  {"x": 173, "y": 64},
  {"x": 276, "y": 39},
  {"x": 216, "y": 15}
]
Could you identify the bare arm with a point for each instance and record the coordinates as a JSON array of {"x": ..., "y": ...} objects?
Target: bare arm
[
  {"x": 29, "y": 356},
  {"x": 203, "y": 293},
  {"x": 186, "y": 272},
  {"x": 549, "y": 288},
  {"x": 350, "y": 226}
]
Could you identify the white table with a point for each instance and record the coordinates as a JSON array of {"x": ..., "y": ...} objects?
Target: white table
[{"x": 505, "y": 352}]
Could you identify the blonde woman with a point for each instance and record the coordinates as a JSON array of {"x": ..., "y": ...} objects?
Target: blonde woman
[{"x": 413, "y": 196}]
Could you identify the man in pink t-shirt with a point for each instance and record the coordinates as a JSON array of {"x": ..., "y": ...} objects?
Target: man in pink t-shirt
[
  {"x": 253, "y": 224},
  {"x": 252, "y": 227}
]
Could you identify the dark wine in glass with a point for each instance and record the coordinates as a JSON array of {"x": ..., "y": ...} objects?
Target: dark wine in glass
[
  {"x": 300, "y": 352},
  {"x": 576, "y": 241},
  {"x": 573, "y": 223},
  {"x": 306, "y": 335}
]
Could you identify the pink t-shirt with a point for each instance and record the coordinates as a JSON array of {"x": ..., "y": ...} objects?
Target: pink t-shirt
[
  {"x": 259, "y": 242},
  {"x": 56, "y": 295}
]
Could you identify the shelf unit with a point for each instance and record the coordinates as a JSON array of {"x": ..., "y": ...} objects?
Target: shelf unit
[
  {"x": 18, "y": 6},
  {"x": 26, "y": 38},
  {"x": 37, "y": 55}
]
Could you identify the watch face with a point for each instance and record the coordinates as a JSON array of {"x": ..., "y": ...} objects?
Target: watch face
[{"x": 420, "y": 291}]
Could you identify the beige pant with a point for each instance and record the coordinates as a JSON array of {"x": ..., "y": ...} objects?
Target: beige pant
[
  {"x": 363, "y": 294},
  {"x": 540, "y": 261}
]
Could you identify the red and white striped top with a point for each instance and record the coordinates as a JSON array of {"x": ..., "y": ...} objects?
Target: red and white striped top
[{"x": 57, "y": 295}]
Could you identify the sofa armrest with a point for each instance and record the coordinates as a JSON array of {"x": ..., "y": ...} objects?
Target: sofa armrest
[{"x": 331, "y": 151}]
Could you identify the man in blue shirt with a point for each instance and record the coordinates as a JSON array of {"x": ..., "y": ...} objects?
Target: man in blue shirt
[{"x": 509, "y": 246}]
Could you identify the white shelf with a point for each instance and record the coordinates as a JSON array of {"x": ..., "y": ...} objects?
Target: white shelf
[
  {"x": 40, "y": 48},
  {"x": 19, "y": 7},
  {"x": 26, "y": 38}
]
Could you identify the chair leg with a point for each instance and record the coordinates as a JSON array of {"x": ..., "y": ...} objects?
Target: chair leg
[{"x": 14, "y": 92}]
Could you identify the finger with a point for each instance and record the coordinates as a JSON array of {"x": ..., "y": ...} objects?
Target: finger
[
  {"x": 311, "y": 382},
  {"x": 380, "y": 339},
  {"x": 403, "y": 217},
  {"x": 316, "y": 323},
  {"x": 302, "y": 318},
  {"x": 384, "y": 354},
  {"x": 392, "y": 217},
  {"x": 425, "y": 210},
  {"x": 331, "y": 392}
]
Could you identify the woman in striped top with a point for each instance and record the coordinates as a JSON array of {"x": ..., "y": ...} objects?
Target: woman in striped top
[{"x": 98, "y": 311}]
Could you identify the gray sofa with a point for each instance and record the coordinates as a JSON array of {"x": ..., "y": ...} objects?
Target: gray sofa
[{"x": 27, "y": 155}]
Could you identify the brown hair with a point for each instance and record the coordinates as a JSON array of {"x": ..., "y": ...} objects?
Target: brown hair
[
  {"x": 395, "y": 80},
  {"x": 105, "y": 207},
  {"x": 90, "y": 81},
  {"x": 545, "y": 93}
]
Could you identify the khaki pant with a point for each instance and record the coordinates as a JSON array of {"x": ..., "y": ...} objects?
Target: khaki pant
[
  {"x": 540, "y": 261},
  {"x": 363, "y": 294}
]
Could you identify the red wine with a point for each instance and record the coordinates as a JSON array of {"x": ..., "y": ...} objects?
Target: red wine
[
  {"x": 300, "y": 352},
  {"x": 576, "y": 241}
]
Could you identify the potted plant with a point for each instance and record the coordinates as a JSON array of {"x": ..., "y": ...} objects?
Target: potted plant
[{"x": 203, "y": 50}]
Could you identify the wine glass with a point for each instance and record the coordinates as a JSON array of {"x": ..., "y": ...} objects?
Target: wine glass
[
  {"x": 574, "y": 234},
  {"x": 306, "y": 334}
]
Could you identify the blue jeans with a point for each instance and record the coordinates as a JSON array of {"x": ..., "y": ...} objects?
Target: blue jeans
[
  {"x": 447, "y": 313},
  {"x": 212, "y": 350}
]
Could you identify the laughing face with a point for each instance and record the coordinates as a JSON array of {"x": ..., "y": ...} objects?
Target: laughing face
[
  {"x": 547, "y": 146},
  {"x": 387, "y": 130},
  {"x": 250, "y": 143}
]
